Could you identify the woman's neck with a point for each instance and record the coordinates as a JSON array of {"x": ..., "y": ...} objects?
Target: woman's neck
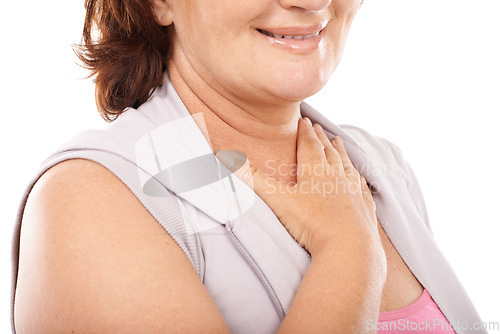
[{"x": 266, "y": 133}]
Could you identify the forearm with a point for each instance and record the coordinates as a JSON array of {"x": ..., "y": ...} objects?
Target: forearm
[{"x": 340, "y": 291}]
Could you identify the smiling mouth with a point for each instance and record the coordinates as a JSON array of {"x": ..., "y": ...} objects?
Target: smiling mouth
[{"x": 270, "y": 34}]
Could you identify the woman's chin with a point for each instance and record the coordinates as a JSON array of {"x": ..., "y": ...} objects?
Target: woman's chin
[
  {"x": 299, "y": 84},
  {"x": 295, "y": 91},
  {"x": 294, "y": 95}
]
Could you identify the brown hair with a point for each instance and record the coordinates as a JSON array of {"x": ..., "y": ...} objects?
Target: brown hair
[{"x": 126, "y": 51}]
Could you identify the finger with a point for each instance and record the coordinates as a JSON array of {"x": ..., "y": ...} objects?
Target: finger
[
  {"x": 349, "y": 169},
  {"x": 332, "y": 156},
  {"x": 309, "y": 149}
]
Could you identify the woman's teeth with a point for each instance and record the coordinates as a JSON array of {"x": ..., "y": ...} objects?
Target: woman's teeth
[{"x": 288, "y": 37}]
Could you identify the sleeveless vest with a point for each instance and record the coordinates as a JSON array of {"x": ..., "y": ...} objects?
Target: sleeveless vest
[{"x": 246, "y": 259}]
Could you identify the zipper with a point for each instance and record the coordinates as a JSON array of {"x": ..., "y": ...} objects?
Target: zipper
[{"x": 260, "y": 274}]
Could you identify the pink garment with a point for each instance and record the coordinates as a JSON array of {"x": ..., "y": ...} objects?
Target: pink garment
[{"x": 422, "y": 316}]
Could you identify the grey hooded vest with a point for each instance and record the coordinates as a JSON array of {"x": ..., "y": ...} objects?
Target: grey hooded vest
[{"x": 246, "y": 259}]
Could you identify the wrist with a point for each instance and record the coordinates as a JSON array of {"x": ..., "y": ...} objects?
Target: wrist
[{"x": 363, "y": 246}]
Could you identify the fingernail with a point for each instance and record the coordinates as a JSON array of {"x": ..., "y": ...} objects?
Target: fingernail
[{"x": 308, "y": 120}]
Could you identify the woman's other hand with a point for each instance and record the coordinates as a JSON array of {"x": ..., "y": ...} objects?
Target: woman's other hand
[{"x": 331, "y": 213}]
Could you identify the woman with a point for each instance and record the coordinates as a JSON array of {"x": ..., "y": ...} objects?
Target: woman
[{"x": 311, "y": 253}]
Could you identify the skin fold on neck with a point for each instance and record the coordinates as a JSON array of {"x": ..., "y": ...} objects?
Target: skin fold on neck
[{"x": 266, "y": 133}]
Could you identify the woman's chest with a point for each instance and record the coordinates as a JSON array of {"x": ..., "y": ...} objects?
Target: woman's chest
[
  {"x": 267, "y": 265},
  {"x": 401, "y": 287}
]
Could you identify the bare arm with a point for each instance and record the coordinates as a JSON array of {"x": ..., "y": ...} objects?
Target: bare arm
[
  {"x": 340, "y": 291},
  {"x": 93, "y": 260}
]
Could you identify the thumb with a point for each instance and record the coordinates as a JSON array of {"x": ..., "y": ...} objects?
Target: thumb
[{"x": 265, "y": 186}]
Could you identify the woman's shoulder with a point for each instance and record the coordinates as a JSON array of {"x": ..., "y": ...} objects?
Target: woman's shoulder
[
  {"x": 80, "y": 194},
  {"x": 73, "y": 180},
  {"x": 90, "y": 248},
  {"x": 115, "y": 163},
  {"x": 372, "y": 143}
]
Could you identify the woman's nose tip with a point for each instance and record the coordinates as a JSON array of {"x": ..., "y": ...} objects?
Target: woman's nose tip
[{"x": 308, "y": 5}]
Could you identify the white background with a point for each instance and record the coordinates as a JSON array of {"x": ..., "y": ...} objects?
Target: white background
[{"x": 423, "y": 74}]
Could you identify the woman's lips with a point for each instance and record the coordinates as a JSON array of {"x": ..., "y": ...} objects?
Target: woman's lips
[
  {"x": 295, "y": 39},
  {"x": 295, "y": 30},
  {"x": 270, "y": 34}
]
